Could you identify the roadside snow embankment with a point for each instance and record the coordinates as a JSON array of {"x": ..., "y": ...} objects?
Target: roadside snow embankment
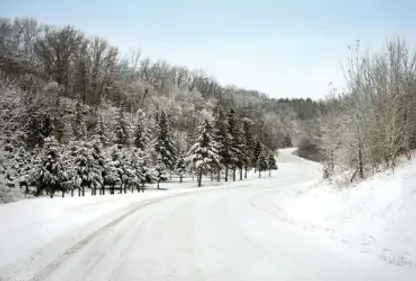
[{"x": 377, "y": 216}]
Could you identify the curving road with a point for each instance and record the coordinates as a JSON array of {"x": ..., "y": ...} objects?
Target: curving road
[{"x": 232, "y": 233}]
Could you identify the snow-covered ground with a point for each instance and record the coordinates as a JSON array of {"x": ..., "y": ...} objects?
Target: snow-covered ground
[
  {"x": 377, "y": 216},
  {"x": 258, "y": 229}
]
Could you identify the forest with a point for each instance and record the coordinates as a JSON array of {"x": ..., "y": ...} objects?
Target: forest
[{"x": 77, "y": 114}]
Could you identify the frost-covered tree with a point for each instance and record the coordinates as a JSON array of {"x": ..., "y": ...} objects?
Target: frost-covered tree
[
  {"x": 237, "y": 143},
  {"x": 50, "y": 174},
  {"x": 262, "y": 164},
  {"x": 15, "y": 166},
  {"x": 222, "y": 139},
  {"x": 163, "y": 143},
  {"x": 256, "y": 154},
  {"x": 47, "y": 128},
  {"x": 204, "y": 155},
  {"x": 100, "y": 132},
  {"x": 79, "y": 127},
  {"x": 180, "y": 167},
  {"x": 247, "y": 144},
  {"x": 121, "y": 128},
  {"x": 34, "y": 137},
  {"x": 140, "y": 136},
  {"x": 271, "y": 163},
  {"x": 113, "y": 169},
  {"x": 160, "y": 170},
  {"x": 86, "y": 167}
]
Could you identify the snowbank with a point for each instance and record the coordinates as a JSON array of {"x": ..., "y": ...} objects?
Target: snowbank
[{"x": 377, "y": 216}]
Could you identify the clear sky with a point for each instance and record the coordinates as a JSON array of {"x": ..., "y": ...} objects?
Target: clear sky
[{"x": 283, "y": 48}]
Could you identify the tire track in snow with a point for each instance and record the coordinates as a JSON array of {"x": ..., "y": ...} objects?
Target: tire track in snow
[{"x": 28, "y": 268}]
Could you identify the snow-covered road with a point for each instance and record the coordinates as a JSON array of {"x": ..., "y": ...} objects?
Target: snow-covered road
[{"x": 223, "y": 233}]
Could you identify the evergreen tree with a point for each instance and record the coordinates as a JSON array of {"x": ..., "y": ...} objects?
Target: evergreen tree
[
  {"x": 47, "y": 129},
  {"x": 247, "y": 144},
  {"x": 87, "y": 171},
  {"x": 131, "y": 172},
  {"x": 113, "y": 169},
  {"x": 99, "y": 164},
  {"x": 15, "y": 166},
  {"x": 160, "y": 170},
  {"x": 222, "y": 139},
  {"x": 204, "y": 154},
  {"x": 256, "y": 154},
  {"x": 50, "y": 173},
  {"x": 100, "y": 132},
  {"x": 33, "y": 128},
  {"x": 79, "y": 127},
  {"x": 144, "y": 165},
  {"x": 262, "y": 164},
  {"x": 140, "y": 137},
  {"x": 271, "y": 163},
  {"x": 180, "y": 167},
  {"x": 164, "y": 146},
  {"x": 235, "y": 148},
  {"x": 121, "y": 129}
]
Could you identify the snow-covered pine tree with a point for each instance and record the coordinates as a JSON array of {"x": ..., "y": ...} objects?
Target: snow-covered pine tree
[
  {"x": 262, "y": 164},
  {"x": 129, "y": 178},
  {"x": 223, "y": 141},
  {"x": 121, "y": 129},
  {"x": 87, "y": 171},
  {"x": 271, "y": 163},
  {"x": 79, "y": 127},
  {"x": 140, "y": 137},
  {"x": 16, "y": 166},
  {"x": 34, "y": 137},
  {"x": 99, "y": 164},
  {"x": 163, "y": 144},
  {"x": 145, "y": 168},
  {"x": 248, "y": 144},
  {"x": 135, "y": 170},
  {"x": 160, "y": 170},
  {"x": 180, "y": 167},
  {"x": 233, "y": 131},
  {"x": 256, "y": 155},
  {"x": 204, "y": 155},
  {"x": 113, "y": 169},
  {"x": 100, "y": 132},
  {"x": 50, "y": 173}
]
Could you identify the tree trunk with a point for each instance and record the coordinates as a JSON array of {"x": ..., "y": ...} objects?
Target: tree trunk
[
  {"x": 234, "y": 174},
  {"x": 158, "y": 181},
  {"x": 226, "y": 174},
  {"x": 63, "y": 194},
  {"x": 200, "y": 178},
  {"x": 83, "y": 191},
  {"x": 259, "y": 174},
  {"x": 270, "y": 173},
  {"x": 180, "y": 178},
  {"x": 241, "y": 173},
  {"x": 72, "y": 192},
  {"x": 218, "y": 175},
  {"x": 360, "y": 161},
  {"x": 245, "y": 173},
  {"x": 212, "y": 175},
  {"x": 170, "y": 174}
]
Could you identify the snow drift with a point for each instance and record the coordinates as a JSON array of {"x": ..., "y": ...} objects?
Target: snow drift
[{"x": 376, "y": 216}]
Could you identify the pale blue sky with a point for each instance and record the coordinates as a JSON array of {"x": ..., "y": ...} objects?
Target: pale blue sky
[{"x": 283, "y": 48}]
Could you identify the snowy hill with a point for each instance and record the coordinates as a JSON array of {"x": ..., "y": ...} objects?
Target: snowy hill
[{"x": 376, "y": 216}]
